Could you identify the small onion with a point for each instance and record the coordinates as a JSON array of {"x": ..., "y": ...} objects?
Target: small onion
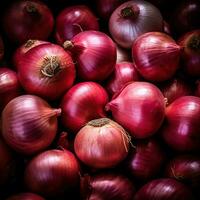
[
  {"x": 29, "y": 124},
  {"x": 132, "y": 19},
  {"x": 101, "y": 143},
  {"x": 139, "y": 108},
  {"x": 25, "y": 196},
  {"x": 181, "y": 128},
  {"x": 73, "y": 20},
  {"x": 52, "y": 172},
  {"x": 95, "y": 53},
  {"x": 156, "y": 56},
  {"x": 83, "y": 102},
  {"x": 164, "y": 189}
]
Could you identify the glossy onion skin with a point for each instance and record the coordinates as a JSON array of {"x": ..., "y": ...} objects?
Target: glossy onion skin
[
  {"x": 29, "y": 124},
  {"x": 163, "y": 189},
  {"x": 52, "y": 172},
  {"x": 181, "y": 128},
  {"x": 156, "y": 56},
  {"x": 125, "y": 30},
  {"x": 21, "y": 22},
  {"x": 25, "y": 196},
  {"x": 83, "y": 102},
  {"x": 73, "y": 20},
  {"x": 130, "y": 108}
]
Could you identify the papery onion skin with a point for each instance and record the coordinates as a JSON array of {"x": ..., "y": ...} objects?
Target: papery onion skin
[
  {"x": 83, "y": 102},
  {"x": 126, "y": 25},
  {"x": 29, "y": 124},
  {"x": 25, "y": 20},
  {"x": 52, "y": 172},
  {"x": 163, "y": 189},
  {"x": 129, "y": 108},
  {"x": 101, "y": 143},
  {"x": 146, "y": 160},
  {"x": 156, "y": 56},
  {"x": 109, "y": 186},
  {"x": 47, "y": 71},
  {"x": 190, "y": 56},
  {"x": 73, "y": 20},
  {"x": 25, "y": 196},
  {"x": 95, "y": 54},
  {"x": 123, "y": 73},
  {"x": 186, "y": 169},
  {"x": 9, "y": 86},
  {"x": 181, "y": 127}
]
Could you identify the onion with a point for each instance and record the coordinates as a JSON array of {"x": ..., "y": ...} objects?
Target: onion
[
  {"x": 25, "y": 196},
  {"x": 181, "y": 129},
  {"x": 73, "y": 20},
  {"x": 95, "y": 54},
  {"x": 123, "y": 54},
  {"x": 132, "y": 19},
  {"x": 124, "y": 73},
  {"x": 52, "y": 172},
  {"x": 101, "y": 143},
  {"x": 146, "y": 160},
  {"x": 25, "y": 20},
  {"x": 83, "y": 102},
  {"x": 174, "y": 89},
  {"x": 185, "y": 168},
  {"x": 107, "y": 186},
  {"x": 191, "y": 52},
  {"x": 29, "y": 124},
  {"x": 164, "y": 189},
  {"x": 47, "y": 71},
  {"x": 9, "y": 86},
  {"x": 139, "y": 108},
  {"x": 156, "y": 56},
  {"x": 1, "y": 48}
]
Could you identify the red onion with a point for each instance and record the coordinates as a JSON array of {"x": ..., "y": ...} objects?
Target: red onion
[
  {"x": 139, "y": 108},
  {"x": 52, "y": 172},
  {"x": 185, "y": 168},
  {"x": 181, "y": 129},
  {"x": 174, "y": 89},
  {"x": 107, "y": 186},
  {"x": 1, "y": 48},
  {"x": 83, "y": 102},
  {"x": 46, "y": 70},
  {"x": 146, "y": 160},
  {"x": 29, "y": 124},
  {"x": 123, "y": 54},
  {"x": 95, "y": 54},
  {"x": 191, "y": 52},
  {"x": 124, "y": 73},
  {"x": 164, "y": 189},
  {"x": 101, "y": 143},
  {"x": 156, "y": 56},
  {"x": 25, "y": 20},
  {"x": 132, "y": 19},
  {"x": 73, "y": 20},
  {"x": 9, "y": 86},
  {"x": 25, "y": 196}
]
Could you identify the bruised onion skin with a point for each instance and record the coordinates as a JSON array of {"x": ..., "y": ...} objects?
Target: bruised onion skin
[
  {"x": 139, "y": 108},
  {"x": 101, "y": 143},
  {"x": 29, "y": 124},
  {"x": 109, "y": 186},
  {"x": 52, "y": 172},
  {"x": 73, "y": 20},
  {"x": 190, "y": 56},
  {"x": 25, "y": 20},
  {"x": 132, "y": 19},
  {"x": 25, "y": 196},
  {"x": 163, "y": 189},
  {"x": 181, "y": 128},
  {"x": 156, "y": 56},
  {"x": 95, "y": 53},
  {"x": 46, "y": 70},
  {"x": 83, "y": 102}
]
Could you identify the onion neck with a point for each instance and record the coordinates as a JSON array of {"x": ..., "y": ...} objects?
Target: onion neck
[
  {"x": 57, "y": 112},
  {"x": 68, "y": 45},
  {"x": 130, "y": 12},
  {"x": 194, "y": 43},
  {"x": 99, "y": 122},
  {"x": 32, "y": 9},
  {"x": 50, "y": 66}
]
